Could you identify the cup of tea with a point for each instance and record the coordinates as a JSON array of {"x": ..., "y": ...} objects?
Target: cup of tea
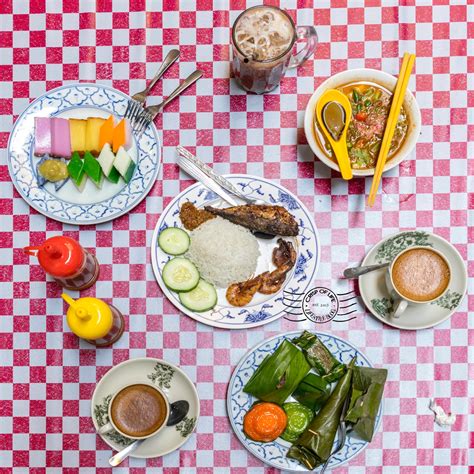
[
  {"x": 417, "y": 275},
  {"x": 137, "y": 411},
  {"x": 262, "y": 43}
]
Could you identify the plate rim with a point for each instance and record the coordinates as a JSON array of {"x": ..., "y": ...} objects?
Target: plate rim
[
  {"x": 392, "y": 323},
  {"x": 196, "y": 316},
  {"x": 265, "y": 341},
  {"x": 63, "y": 220},
  {"x": 138, "y": 359}
]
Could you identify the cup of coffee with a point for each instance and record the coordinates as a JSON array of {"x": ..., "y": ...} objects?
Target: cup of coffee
[
  {"x": 137, "y": 411},
  {"x": 417, "y": 275},
  {"x": 263, "y": 38}
]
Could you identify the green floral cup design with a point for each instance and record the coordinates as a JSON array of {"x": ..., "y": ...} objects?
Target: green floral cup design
[
  {"x": 162, "y": 375},
  {"x": 392, "y": 247}
]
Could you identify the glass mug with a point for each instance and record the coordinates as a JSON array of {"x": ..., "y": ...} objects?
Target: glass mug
[{"x": 262, "y": 42}]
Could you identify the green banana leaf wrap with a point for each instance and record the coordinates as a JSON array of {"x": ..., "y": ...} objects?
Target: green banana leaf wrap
[
  {"x": 279, "y": 374},
  {"x": 317, "y": 354},
  {"x": 312, "y": 392},
  {"x": 367, "y": 391},
  {"x": 314, "y": 446}
]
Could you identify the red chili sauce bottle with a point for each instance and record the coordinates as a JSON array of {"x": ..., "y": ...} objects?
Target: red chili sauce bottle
[{"x": 72, "y": 266}]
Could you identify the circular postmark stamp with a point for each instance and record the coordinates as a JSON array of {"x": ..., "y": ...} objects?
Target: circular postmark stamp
[{"x": 320, "y": 304}]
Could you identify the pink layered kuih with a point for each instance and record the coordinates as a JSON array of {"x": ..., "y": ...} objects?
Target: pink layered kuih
[
  {"x": 42, "y": 136},
  {"x": 60, "y": 138}
]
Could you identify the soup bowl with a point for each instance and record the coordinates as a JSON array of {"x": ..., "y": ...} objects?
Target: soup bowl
[{"x": 377, "y": 77}]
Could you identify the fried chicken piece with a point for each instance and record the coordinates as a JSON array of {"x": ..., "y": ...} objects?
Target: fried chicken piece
[
  {"x": 192, "y": 217},
  {"x": 269, "y": 219}
]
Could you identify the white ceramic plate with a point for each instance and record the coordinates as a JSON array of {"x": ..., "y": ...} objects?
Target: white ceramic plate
[
  {"x": 363, "y": 75},
  {"x": 263, "y": 308},
  {"x": 172, "y": 381},
  {"x": 375, "y": 294},
  {"x": 239, "y": 403},
  {"x": 92, "y": 205}
]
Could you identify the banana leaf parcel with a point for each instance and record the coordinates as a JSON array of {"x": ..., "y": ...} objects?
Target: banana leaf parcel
[
  {"x": 279, "y": 374},
  {"x": 312, "y": 392},
  {"x": 314, "y": 446},
  {"x": 367, "y": 391},
  {"x": 319, "y": 356}
]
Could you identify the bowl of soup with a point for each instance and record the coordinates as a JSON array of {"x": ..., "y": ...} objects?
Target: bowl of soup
[{"x": 370, "y": 94}]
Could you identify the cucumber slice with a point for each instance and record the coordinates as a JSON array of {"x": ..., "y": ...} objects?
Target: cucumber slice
[
  {"x": 173, "y": 241},
  {"x": 202, "y": 298},
  {"x": 180, "y": 274}
]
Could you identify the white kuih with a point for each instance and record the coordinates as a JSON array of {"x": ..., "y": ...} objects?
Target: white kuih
[{"x": 223, "y": 252}]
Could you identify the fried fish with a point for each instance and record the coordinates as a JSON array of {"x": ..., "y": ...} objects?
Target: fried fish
[{"x": 269, "y": 219}]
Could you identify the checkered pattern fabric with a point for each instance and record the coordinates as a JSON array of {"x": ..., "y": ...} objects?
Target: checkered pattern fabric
[{"x": 47, "y": 375}]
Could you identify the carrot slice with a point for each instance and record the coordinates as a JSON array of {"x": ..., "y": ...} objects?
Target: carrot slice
[{"x": 265, "y": 422}]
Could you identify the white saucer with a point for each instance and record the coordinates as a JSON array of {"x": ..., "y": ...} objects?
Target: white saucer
[
  {"x": 172, "y": 381},
  {"x": 375, "y": 295}
]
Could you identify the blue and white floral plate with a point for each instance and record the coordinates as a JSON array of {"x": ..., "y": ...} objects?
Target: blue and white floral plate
[
  {"x": 239, "y": 403},
  {"x": 68, "y": 205},
  {"x": 263, "y": 308},
  {"x": 174, "y": 383},
  {"x": 376, "y": 297}
]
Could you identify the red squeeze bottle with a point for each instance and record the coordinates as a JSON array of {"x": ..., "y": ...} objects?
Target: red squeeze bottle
[{"x": 72, "y": 266}]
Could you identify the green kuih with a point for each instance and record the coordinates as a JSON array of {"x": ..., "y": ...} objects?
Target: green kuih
[
  {"x": 367, "y": 391},
  {"x": 299, "y": 417},
  {"x": 319, "y": 356},
  {"x": 279, "y": 374},
  {"x": 92, "y": 169},
  {"x": 314, "y": 446},
  {"x": 312, "y": 392}
]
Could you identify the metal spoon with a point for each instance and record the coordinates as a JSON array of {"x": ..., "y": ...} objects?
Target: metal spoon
[
  {"x": 178, "y": 410},
  {"x": 356, "y": 272}
]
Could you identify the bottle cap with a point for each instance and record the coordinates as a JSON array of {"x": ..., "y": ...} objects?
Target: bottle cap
[
  {"x": 59, "y": 256},
  {"x": 88, "y": 318}
]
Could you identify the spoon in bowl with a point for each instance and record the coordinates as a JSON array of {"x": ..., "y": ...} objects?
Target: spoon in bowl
[
  {"x": 178, "y": 410},
  {"x": 333, "y": 114}
]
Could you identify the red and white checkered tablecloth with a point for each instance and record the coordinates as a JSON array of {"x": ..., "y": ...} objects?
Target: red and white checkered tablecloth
[{"x": 47, "y": 375}]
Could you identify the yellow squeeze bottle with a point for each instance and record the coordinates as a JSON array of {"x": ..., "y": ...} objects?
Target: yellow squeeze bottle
[{"x": 94, "y": 320}]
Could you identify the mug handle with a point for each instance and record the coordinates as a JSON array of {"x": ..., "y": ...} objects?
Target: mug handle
[
  {"x": 308, "y": 33},
  {"x": 398, "y": 308},
  {"x": 107, "y": 428}
]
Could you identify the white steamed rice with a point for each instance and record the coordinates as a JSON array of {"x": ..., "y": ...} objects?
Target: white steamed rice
[{"x": 223, "y": 252}]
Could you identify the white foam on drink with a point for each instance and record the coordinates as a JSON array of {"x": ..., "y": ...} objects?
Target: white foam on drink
[{"x": 263, "y": 33}]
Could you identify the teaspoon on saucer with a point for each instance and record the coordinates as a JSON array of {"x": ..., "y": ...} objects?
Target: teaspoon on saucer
[
  {"x": 356, "y": 272},
  {"x": 178, "y": 410}
]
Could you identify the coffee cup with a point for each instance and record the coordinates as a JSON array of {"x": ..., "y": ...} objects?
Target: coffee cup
[
  {"x": 418, "y": 275},
  {"x": 137, "y": 411}
]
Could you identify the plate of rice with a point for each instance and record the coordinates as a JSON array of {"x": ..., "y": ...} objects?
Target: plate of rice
[{"x": 227, "y": 253}]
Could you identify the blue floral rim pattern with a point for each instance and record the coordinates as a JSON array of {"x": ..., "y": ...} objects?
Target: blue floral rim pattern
[
  {"x": 230, "y": 317},
  {"x": 56, "y": 102},
  {"x": 238, "y": 402}
]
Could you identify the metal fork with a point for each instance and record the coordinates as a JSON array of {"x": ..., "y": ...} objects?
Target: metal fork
[
  {"x": 220, "y": 180},
  {"x": 149, "y": 113},
  {"x": 190, "y": 168},
  {"x": 341, "y": 431},
  {"x": 135, "y": 105}
]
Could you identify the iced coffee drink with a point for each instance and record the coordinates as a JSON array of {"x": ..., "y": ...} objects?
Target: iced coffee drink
[{"x": 263, "y": 39}]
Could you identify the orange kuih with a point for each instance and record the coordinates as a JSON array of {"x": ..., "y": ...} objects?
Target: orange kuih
[
  {"x": 106, "y": 133},
  {"x": 121, "y": 136}
]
